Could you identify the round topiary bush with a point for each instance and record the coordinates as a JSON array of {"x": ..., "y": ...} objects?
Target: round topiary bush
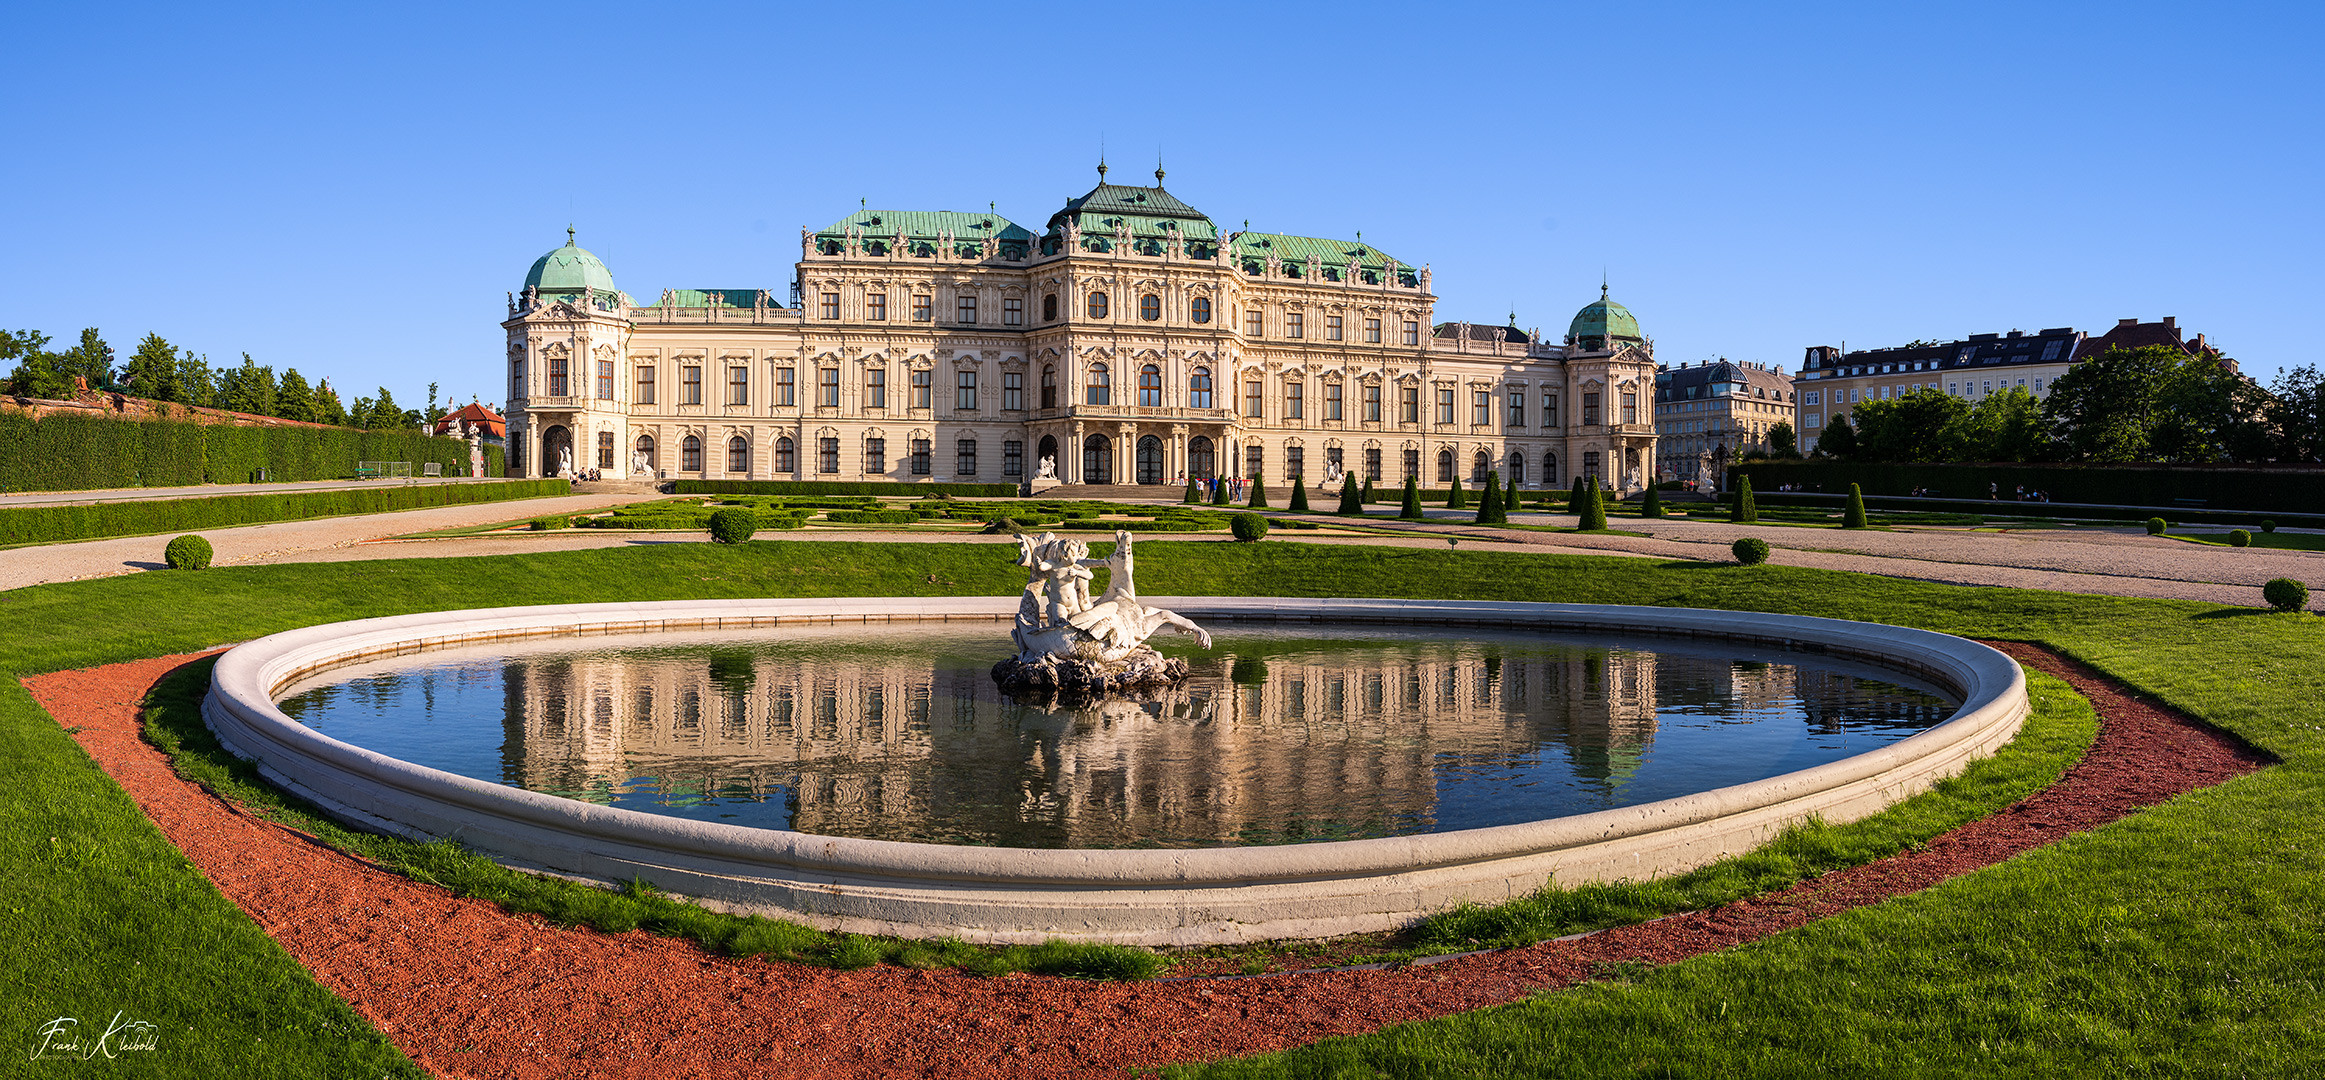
[
  {"x": 1751, "y": 551},
  {"x": 1248, "y": 526},
  {"x": 2268, "y": 525},
  {"x": 733, "y": 526},
  {"x": 2156, "y": 526},
  {"x": 2285, "y": 594},
  {"x": 187, "y": 553},
  {"x": 2239, "y": 538}
]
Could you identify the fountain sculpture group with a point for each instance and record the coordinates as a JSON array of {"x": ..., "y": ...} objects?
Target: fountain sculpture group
[{"x": 1067, "y": 642}]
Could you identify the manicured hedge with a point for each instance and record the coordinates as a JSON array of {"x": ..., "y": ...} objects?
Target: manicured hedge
[
  {"x": 36, "y": 524},
  {"x": 2249, "y": 488},
  {"x": 79, "y": 452},
  {"x": 872, "y": 517},
  {"x": 839, "y": 487},
  {"x": 1159, "y": 525}
]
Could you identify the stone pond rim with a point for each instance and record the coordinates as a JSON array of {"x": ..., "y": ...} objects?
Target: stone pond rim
[{"x": 1156, "y": 897}]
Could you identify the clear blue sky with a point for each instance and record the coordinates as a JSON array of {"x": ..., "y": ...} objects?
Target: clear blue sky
[{"x": 351, "y": 191}]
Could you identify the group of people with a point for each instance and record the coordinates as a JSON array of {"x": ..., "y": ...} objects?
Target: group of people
[{"x": 1238, "y": 488}]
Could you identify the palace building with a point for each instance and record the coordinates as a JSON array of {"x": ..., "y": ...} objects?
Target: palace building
[{"x": 1128, "y": 340}]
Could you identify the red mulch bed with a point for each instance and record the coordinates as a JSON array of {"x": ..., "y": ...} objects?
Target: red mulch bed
[{"x": 471, "y": 991}]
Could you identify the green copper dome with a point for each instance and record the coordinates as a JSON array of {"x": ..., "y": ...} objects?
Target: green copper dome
[
  {"x": 569, "y": 269},
  {"x": 1603, "y": 322}
]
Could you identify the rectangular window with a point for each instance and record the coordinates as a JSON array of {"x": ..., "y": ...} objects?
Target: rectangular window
[
  {"x": 1413, "y": 464},
  {"x": 1251, "y": 460},
  {"x": 1411, "y": 412},
  {"x": 1550, "y": 410},
  {"x": 1013, "y": 391},
  {"x": 1372, "y": 463},
  {"x": 1295, "y": 325},
  {"x": 690, "y": 385},
  {"x": 920, "y": 457},
  {"x": 1295, "y": 404},
  {"x": 965, "y": 310},
  {"x": 1445, "y": 405},
  {"x": 1372, "y": 403},
  {"x": 644, "y": 395},
  {"x": 1295, "y": 462},
  {"x": 559, "y": 378},
  {"x": 876, "y": 308},
  {"x": 876, "y": 387},
  {"x": 516, "y": 382},
  {"x": 831, "y": 305},
  {"x": 923, "y": 307},
  {"x": 2038, "y": 386},
  {"x": 738, "y": 385},
  {"x": 605, "y": 380},
  {"x": 1590, "y": 410},
  {"x": 1412, "y": 332},
  {"x": 2050, "y": 351},
  {"x": 965, "y": 391},
  {"x": 1012, "y": 311},
  {"x": 875, "y": 455},
  {"x": 1481, "y": 407},
  {"x": 786, "y": 388},
  {"x": 965, "y": 458},
  {"x": 1985, "y": 388},
  {"x": 1332, "y": 391},
  {"x": 1810, "y": 420},
  {"x": 1813, "y": 395},
  {"x": 1253, "y": 323},
  {"x": 1630, "y": 408},
  {"x": 1517, "y": 417},
  {"x": 1012, "y": 458},
  {"x": 1251, "y": 398},
  {"x": 922, "y": 386},
  {"x": 829, "y": 388},
  {"x": 1372, "y": 331},
  {"x": 1331, "y": 327},
  {"x": 827, "y": 455}
]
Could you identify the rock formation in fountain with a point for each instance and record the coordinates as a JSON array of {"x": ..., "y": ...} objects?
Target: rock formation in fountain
[{"x": 1067, "y": 642}]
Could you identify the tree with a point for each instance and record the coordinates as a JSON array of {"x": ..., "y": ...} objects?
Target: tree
[
  {"x": 1491, "y": 510},
  {"x": 2296, "y": 413},
  {"x": 91, "y": 360},
  {"x": 433, "y": 412},
  {"x": 2006, "y": 426},
  {"x": 1299, "y": 504},
  {"x": 328, "y": 410},
  {"x": 152, "y": 371},
  {"x": 1923, "y": 425},
  {"x": 247, "y": 389},
  {"x": 294, "y": 399},
  {"x": 35, "y": 372},
  {"x": 385, "y": 413},
  {"x": 1351, "y": 500},
  {"x": 1410, "y": 509},
  {"x": 2156, "y": 403},
  {"x": 197, "y": 384},
  {"x": 1839, "y": 440},
  {"x": 1783, "y": 441}
]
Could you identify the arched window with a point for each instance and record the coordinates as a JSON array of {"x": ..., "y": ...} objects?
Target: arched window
[
  {"x": 1150, "y": 386},
  {"x": 690, "y": 454},
  {"x": 605, "y": 449},
  {"x": 646, "y": 452},
  {"x": 1517, "y": 468},
  {"x": 1444, "y": 466},
  {"x": 1101, "y": 391},
  {"x": 786, "y": 455},
  {"x": 1049, "y": 383},
  {"x": 738, "y": 455},
  {"x": 1200, "y": 309},
  {"x": 1478, "y": 466},
  {"x": 1550, "y": 470},
  {"x": 1049, "y": 308},
  {"x": 1199, "y": 389},
  {"x": 1150, "y": 307},
  {"x": 1097, "y": 305}
]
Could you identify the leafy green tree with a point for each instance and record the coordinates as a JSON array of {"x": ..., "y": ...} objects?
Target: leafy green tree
[
  {"x": 1839, "y": 440},
  {"x": 385, "y": 413},
  {"x": 91, "y": 360},
  {"x": 433, "y": 412},
  {"x": 1410, "y": 509},
  {"x": 197, "y": 384},
  {"x": 247, "y": 389},
  {"x": 2296, "y": 412},
  {"x": 2156, "y": 403},
  {"x": 359, "y": 414},
  {"x": 294, "y": 399},
  {"x": 152, "y": 371},
  {"x": 35, "y": 372},
  {"x": 1783, "y": 441},
  {"x": 1351, "y": 500},
  {"x": 2006, "y": 426},
  {"x": 328, "y": 410},
  {"x": 1921, "y": 426}
]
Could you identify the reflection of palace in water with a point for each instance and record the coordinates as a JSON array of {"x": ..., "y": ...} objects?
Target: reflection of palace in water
[{"x": 1339, "y": 740}]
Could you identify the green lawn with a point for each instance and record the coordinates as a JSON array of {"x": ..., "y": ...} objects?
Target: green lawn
[{"x": 2188, "y": 939}]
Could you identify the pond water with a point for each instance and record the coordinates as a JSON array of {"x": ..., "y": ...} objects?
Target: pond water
[{"x": 1279, "y": 735}]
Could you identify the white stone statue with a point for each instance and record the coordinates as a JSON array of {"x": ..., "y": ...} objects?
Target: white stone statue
[
  {"x": 1332, "y": 473},
  {"x": 1048, "y": 469},
  {"x": 638, "y": 466},
  {"x": 1065, "y": 640},
  {"x": 565, "y": 461}
]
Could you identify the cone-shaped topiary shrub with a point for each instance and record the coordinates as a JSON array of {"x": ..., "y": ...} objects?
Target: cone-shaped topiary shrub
[
  {"x": 1299, "y": 495},
  {"x": 2156, "y": 526},
  {"x": 1751, "y": 551},
  {"x": 1411, "y": 509},
  {"x": 2286, "y": 594},
  {"x": 1594, "y": 507},
  {"x": 187, "y": 553},
  {"x": 1853, "y": 517},
  {"x": 1351, "y": 502},
  {"x": 1219, "y": 487},
  {"x": 1491, "y": 510},
  {"x": 1745, "y": 510},
  {"x": 1194, "y": 494},
  {"x": 1247, "y": 526},
  {"x": 2239, "y": 538},
  {"x": 1455, "y": 499},
  {"x": 1258, "y": 492},
  {"x": 1366, "y": 498},
  {"x": 733, "y": 526},
  {"x": 1652, "y": 506},
  {"x": 1510, "y": 500},
  {"x": 1574, "y": 498}
]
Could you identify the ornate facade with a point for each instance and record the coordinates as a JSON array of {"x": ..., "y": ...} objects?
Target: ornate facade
[{"x": 1131, "y": 340}]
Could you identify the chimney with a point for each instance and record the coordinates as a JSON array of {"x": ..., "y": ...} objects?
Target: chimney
[
  {"x": 2126, "y": 324},
  {"x": 2171, "y": 322}
]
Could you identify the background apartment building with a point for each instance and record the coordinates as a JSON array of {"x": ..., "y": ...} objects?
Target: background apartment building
[{"x": 1707, "y": 415}]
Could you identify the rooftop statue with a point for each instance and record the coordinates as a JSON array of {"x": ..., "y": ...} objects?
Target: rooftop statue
[{"x": 1066, "y": 641}]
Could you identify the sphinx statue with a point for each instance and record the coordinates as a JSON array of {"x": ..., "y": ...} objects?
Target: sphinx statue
[{"x": 1067, "y": 641}]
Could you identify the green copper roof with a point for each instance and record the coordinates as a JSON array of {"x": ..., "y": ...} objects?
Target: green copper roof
[
  {"x": 1604, "y": 319},
  {"x": 743, "y": 299},
  {"x": 1151, "y": 205},
  {"x": 569, "y": 269},
  {"x": 1251, "y": 250},
  {"x": 921, "y": 228}
]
